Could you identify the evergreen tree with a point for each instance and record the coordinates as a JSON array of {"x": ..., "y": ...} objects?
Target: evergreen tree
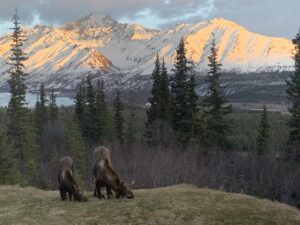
[
  {"x": 118, "y": 118},
  {"x": 41, "y": 111},
  {"x": 101, "y": 112},
  {"x": 217, "y": 126},
  {"x": 20, "y": 133},
  {"x": 8, "y": 170},
  {"x": 90, "y": 127},
  {"x": 41, "y": 118},
  {"x": 180, "y": 89},
  {"x": 80, "y": 105},
  {"x": 263, "y": 133},
  {"x": 17, "y": 110},
  {"x": 160, "y": 113},
  {"x": 28, "y": 169},
  {"x": 192, "y": 109},
  {"x": 53, "y": 109},
  {"x": 165, "y": 102},
  {"x": 131, "y": 131},
  {"x": 153, "y": 111},
  {"x": 293, "y": 92}
]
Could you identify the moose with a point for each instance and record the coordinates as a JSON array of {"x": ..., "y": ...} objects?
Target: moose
[
  {"x": 66, "y": 181},
  {"x": 106, "y": 176}
]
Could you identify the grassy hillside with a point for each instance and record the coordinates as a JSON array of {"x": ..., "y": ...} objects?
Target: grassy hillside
[{"x": 181, "y": 204}]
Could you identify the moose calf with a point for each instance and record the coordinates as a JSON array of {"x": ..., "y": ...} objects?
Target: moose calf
[
  {"x": 106, "y": 176},
  {"x": 66, "y": 181}
]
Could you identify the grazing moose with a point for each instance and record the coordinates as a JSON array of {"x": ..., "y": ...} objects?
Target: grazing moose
[
  {"x": 66, "y": 181},
  {"x": 106, "y": 176}
]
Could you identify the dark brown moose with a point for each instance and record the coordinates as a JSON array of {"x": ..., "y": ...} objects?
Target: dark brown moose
[
  {"x": 106, "y": 176},
  {"x": 66, "y": 181}
]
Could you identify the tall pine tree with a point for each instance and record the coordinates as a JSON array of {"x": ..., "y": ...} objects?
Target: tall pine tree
[
  {"x": 181, "y": 92},
  {"x": 293, "y": 92},
  {"x": 17, "y": 110},
  {"x": 20, "y": 133},
  {"x": 41, "y": 114},
  {"x": 159, "y": 113},
  {"x": 153, "y": 111},
  {"x": 101, "y": 112},
  {"x": 53, "y": 109},
  {"x": 165, "y": 102},
  {"x": 192, "y": 109},
  {"x": 8, "y": 169},
  {"x": 118, "y": 118},
  {"x": 263, "y": 133},
  {"x": 90, "y": 126},
  {"x": 41, "y": 119},
  {"x": 217, "y": 126},
  {"x": 131, "y": 130},
  {"x": 80, "y": 105}
]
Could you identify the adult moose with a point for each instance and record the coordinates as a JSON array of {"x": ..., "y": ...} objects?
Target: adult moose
[
  {"x": 66, "y": 181},
  {"x": 106, "y": 176}
]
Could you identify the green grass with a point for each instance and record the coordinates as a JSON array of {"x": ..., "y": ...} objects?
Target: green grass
[{"x": 181, "y": 204}]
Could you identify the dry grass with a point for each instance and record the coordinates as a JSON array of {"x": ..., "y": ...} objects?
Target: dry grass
[{"x": 182, "y": 204}]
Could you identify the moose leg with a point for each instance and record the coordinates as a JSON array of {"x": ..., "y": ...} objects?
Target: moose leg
[
  {"x": 118, "y": 194},
  {"x": 108, "y": 191},
  {"x": 98, "y": 187},
  {"x": 63, "y": 195},
  {"x": 70, "y": 196},
  {"x": 96, "y": 190}
]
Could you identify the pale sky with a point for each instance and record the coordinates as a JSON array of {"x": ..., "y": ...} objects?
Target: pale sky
[{"x": 269, "y": 17}]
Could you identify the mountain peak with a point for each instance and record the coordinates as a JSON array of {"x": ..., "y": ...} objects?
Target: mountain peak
[
  {"x": 137, "y": 26},
  {"x": 223, "y": 22},
  {"x": 95, "y": 17},
  {"x": 93, "y": 20}
]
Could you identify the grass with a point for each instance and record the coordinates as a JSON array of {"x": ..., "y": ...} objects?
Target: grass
[{"x": 182, "y": 204}]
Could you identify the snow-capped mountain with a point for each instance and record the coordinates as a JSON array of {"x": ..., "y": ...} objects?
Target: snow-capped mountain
[{"x": 123, "y": 54}]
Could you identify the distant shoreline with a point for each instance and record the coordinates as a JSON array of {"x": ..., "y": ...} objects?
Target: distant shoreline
[{"x": 31, "y": 99}]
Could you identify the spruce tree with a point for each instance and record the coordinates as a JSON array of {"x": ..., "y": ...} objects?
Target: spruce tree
[
  {"x": 8, "y": 169},
  {"x": 41, "y": 114},
  {"x": 20, "y": 125},
  {"x": 180, "y": 90},
  {"x": 101, "y": 112},
  {"x": 53, "y": 109},
  {"x": 153, "y": 111},
  {"x": 80, "y": 105},
  {"x": 118, "y": 118},
  {"x": 192, "y": 109},
  {"x": 131, "y": 131},
  {"x": 90, "y": 127},
  {"x": 293, "y": 92},
  {"x": 217, "y": 126},
  {"x": 165, "y": 102},
  {"x": 263, "y": 133},
  {"x": 41, "y": 118},
  {"x": 17, "y": 110}
]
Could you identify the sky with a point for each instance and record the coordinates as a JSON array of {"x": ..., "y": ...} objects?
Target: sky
[{"x": 279, "y": 18}]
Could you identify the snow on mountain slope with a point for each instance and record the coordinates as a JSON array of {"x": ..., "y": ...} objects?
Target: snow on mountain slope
[{"x": 61, "y": 56}]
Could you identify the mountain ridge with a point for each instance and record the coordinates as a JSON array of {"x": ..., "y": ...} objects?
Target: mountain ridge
[{"x": 61, "y": 56}]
